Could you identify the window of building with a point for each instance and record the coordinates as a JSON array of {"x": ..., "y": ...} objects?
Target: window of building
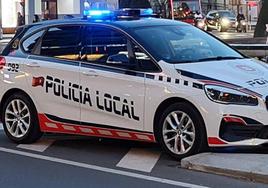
[
  {"x": 10, "y": 10},
  {"x": 49, "y": 9}
]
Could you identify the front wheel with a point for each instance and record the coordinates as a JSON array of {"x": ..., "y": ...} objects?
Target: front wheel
[
  {"x": 181, "y": 131},
  {"x": 20, "y": 120}
]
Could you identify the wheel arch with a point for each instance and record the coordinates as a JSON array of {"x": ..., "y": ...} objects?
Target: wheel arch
[
  {"x": 8, "y": 94},
  {"x": 166, "y": 103}
]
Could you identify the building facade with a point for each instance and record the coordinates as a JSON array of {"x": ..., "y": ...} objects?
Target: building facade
[
  {"x": 45, "y": 9},
  {"x": 54, "y": 9}
]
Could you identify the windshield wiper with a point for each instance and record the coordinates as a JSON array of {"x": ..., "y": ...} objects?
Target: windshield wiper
[{"x": 218, "y": 58}]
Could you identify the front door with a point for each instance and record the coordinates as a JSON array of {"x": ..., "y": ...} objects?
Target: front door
[{"x": 113, "y": 90}]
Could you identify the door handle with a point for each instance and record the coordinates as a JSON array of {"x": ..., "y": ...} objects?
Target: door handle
[
  {"x": 90, "y": 73},
  {"x": 33, "y": 64}
]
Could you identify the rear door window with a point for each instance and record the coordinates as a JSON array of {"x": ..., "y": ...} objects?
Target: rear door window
[
  {"x": 30, "y": 45},
  {"x": 62, "y": 42}
]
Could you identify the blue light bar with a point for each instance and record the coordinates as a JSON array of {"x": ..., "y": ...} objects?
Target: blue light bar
[
  {"x": 146, "y": 12},
  {"x": 97, "y": 13}
]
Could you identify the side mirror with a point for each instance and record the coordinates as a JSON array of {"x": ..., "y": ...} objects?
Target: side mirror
[{"x": 118, "y": 59}]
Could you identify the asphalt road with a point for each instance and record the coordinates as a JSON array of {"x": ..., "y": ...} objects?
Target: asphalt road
[{"x": 71, "y": 161}]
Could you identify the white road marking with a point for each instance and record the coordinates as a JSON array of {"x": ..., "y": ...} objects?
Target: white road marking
[
  {"x": 1, "y": 126},
  {"x": 102, "y": 169},
  {"x": 39, "y": 146},
  {"x": 139, "y": 159}
]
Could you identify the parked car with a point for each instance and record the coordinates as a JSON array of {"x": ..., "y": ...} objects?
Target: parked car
[{"x": 221, "y": 20}]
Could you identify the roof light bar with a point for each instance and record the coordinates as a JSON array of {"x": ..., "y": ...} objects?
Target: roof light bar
[
  {"x": 146, "y": 12},
  {"x": 119, "y": 14},
  {"x": 97, "y": 14}
]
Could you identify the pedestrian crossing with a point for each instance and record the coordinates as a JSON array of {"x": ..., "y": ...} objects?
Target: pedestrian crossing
[
  {"x": 39, "y": 146},
  {"x": 140, "y": 159},
  {"x": 119, "y": 154}
]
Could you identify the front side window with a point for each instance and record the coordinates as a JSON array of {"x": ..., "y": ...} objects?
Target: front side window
[
  {"x": 183, "y": 44},
  {"x": 107, "y": 46},
  {"x": 62, "y": 42}
]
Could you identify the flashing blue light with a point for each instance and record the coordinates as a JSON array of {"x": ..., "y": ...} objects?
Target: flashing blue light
[
  {"x": 147, "y": 12},
  {"x": 97, "y": 13}
]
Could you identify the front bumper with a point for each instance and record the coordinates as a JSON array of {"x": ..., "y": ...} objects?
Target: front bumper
[{"x": 233, "y": 131}]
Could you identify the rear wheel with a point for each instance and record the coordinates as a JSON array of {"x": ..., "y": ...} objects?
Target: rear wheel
[
  {"x": 181, "y": 131},
  {"x": 20, "y": 120}
]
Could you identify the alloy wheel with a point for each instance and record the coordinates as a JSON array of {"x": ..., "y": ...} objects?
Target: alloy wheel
[
  {"x": 17, "y": 118},
  {"x": 178, "y": 132}
]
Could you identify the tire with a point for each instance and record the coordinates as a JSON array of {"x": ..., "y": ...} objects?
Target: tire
[
  {"x": 19, "y": 117},
  {"x": 194, "y": 137},
  {"x": 220, "y": 29},
  {"x": 206, "y": 28}
]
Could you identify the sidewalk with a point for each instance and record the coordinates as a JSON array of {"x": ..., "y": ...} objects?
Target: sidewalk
[{"x": 253, "y": 167}]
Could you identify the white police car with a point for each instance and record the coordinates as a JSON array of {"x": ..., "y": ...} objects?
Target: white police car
[{"x": 132, "y": 78}]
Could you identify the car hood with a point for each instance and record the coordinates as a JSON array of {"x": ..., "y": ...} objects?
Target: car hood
[{"x": 248, "y": 74}]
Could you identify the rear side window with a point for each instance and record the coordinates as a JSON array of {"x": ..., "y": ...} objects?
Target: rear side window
[
  {"x": 31, "y": 43},
  {"x": 62, "y": 42}
]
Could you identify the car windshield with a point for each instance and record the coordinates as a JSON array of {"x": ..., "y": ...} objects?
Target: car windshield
[
  {"x": 227, "y": 14},
  {"x": 183, "y": 44}
]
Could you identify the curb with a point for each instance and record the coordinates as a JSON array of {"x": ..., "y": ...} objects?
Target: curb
[{"x": 237, "y": 167}]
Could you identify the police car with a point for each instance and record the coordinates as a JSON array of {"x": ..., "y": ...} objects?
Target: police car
[{"x": 128, "y": 76}]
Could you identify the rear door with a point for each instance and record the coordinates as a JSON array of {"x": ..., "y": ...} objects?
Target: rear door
[{"x": 53, "y": 74}]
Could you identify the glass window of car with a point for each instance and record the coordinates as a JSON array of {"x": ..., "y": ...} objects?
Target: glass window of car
[
  {"x": 144, "y": 61},
  {"x": 107, "y": 46},
  {"x": 62, "y": 42},
  {"x": 182, "y": 44},
  {"x": 227, "y": 14},
  {"x": 29, "y": 45}
]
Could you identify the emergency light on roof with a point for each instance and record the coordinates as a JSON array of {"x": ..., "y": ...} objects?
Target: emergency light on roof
[
  {"x": 97, "y": 13},
  {"x": 119, "y": 14}
]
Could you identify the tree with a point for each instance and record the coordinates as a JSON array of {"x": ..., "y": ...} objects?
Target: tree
[{"x": 260, "y": 30}]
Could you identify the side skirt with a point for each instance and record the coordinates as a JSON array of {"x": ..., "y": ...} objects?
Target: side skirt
[{"x": 48, "y": 125}]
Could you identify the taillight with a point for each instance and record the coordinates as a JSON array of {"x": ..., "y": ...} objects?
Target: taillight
[{"x": 2, "y": 62}]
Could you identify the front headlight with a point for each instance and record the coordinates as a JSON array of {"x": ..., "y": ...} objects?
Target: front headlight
[
  {"x": 225, "y": 21},
  {"x": 200, "y": 24},
  {"x": 225, "y": 95}
]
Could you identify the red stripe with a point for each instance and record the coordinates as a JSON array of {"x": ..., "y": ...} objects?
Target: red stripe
[
  {"x": 232, "y": 119},
  {"x": 43, "y": 119},
  {"x": 215, "y": 141}
]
